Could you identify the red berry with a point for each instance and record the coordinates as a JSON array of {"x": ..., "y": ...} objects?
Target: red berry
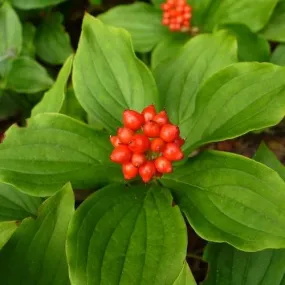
[
  {"x": 129, "y": 171},
  {"x": 151, "y": 129},
  {"x": 181, "y": 2},
  {"x": 187, "y": 8},
  {"x": 179, "y": 141},
  {"x": 157, "y": 145},
  {"x": 165, "y": 6},
  {"x": 125, "y": 135},
  {"x": 161, "y": 118},
  {"x": 132, "y": 120},
  {"x": 180, "y": 9},
  {"x": 121, "y": 154},
  {"x": 139, "y": 143},
  {"x": 187, "y": 16},
  {"x": 115, "y": 141},
  {"x": 169, "y": 132},
  {"x": 163, "y": 165},
  {"x": 149, "y": 112},
  {"x": 165, "y": 22},
  {"x": 138, "y": 159},
  {"x": 172, "y": 152},
  {"x": 179, "y": 19},
  {"x": 147, "y": 171}
]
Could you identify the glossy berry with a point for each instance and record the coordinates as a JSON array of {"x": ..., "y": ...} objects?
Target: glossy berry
[
  {"x": 140, "y": 143},
  {"x": 163, "y": 165},
  {"x": 133, "y": 120},
  {"x": 151, "y": 129},
  {"x": 172, "y": 152},
  {"x": 138, "y": 159},
  {"x": 115, "y": 141},
  {"x": 176, "y": 15},
  {"x": 169, "y": 133},
  {"x": 147, "y": 171},
  {"x": 121, "y": 154},
  {"x": 157, "y": 145},
  {"x": 129, "y": 171},
  {"x": 125, "y": 135},
  {"x": 149, "y": 113},
  {"x": 161, "y": 118}
]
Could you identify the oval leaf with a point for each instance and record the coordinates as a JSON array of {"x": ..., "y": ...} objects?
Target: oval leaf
[
  {"x": 53, "y": 99},
  {"x": 15, "y": 205},
  {"x": 52, "y": 42},
  {"x": 179, "y": 78},
  {"x": 278, "y": 55},
  {"x": 229, "y": 266},
  {"x": 275, "y": 29},
  {"x": 34, "y": 4},
  {"x": 10, "y": 32},
  {"x": 107, "y": 82},
  {"x": 141, "y": 20},
  {"x": 251, "y": 47},
  {"x": 53, "y": 150},
  {"x": 36, "y": 251},
  {"x": 254, "y": 14},
  {"x": 29, "y": 32},
  {"x": 27, "y": 76},
  {"x": 185, "y": 277},
  {"x": 238, "y": 99},
  {"x": 229, "y": 198},
  {"x": 126, "y": 235},
  {"x": 267, "y": 157},
  {"x": 6, "y": 231},
  {"x": 168, "y": 47}
]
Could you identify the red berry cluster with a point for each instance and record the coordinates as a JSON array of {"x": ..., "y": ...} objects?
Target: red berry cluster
[
  {"x": 146, "y": 144},
  {"x": 176, "y": 15}
]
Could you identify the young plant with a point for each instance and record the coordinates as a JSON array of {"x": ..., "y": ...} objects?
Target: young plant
[{"x": 131, "y": 232}]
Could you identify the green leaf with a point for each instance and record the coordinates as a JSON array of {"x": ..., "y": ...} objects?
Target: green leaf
[
  {"x": 36, "y": 252},
  {"x": 27, "y": 76},
  {"x": 52, "y": 42},
  {"x": 185, "y": 277},
  {"x": 254, "y": 14},
  {"x": 9, "y": 106},
  {"x": 6, "y": 231},
  {"x": 251, "y": 47},
  {"x": 240, "y": 98},
  {"x": 229, "y": 266},
  {"x": 53, "y": 99},
  {"x": 72, "y": 108},
  {"x": 278, "y": 55},
  {"x": 275, "y": 29},
  {"x": 10, "y": 32},
  {"x": 108, "y": 81},
  {"x": 179, "y": 78},
  {"x": 229, "y": 198},
  {"x": 126, "y": 235},
  {"x": 28, "y": 48},
  {"x": 141, "y": 20},
  {"x": 53, "y": 150},
  {"x": 267, "y": 157},
  {"x": 34, "y": 4},
  {"x": 167, "y": 48},
  {"x": 15, "y": 205},
  {"x": 95, "y": 2}
]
